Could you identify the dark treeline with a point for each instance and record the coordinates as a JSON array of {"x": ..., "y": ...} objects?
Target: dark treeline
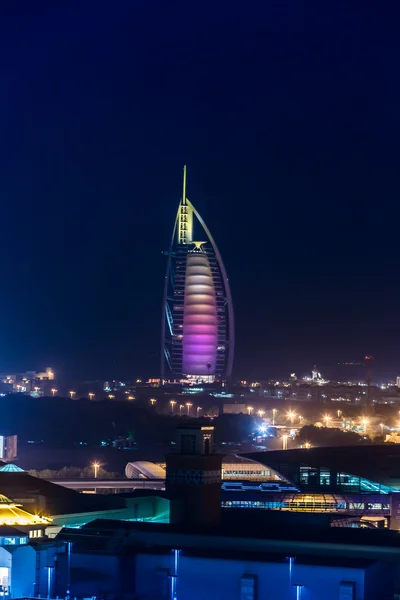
[
  {"x": 330, "y": 436},
  {"x": 62, "y": 421}
]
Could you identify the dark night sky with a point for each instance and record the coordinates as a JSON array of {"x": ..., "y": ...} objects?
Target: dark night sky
[{"x": 287, "y": 115}]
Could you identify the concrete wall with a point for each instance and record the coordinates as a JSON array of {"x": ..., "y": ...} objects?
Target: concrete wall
[{"x": 201, "y": 578}]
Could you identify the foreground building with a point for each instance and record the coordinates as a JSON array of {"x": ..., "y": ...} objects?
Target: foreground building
[
  {"x": 198, "y": 328},
  {"x": 205, "y": 551}
]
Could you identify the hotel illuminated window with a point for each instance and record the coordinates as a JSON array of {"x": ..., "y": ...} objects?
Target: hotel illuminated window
[
  {"x": 375, "y": 506},
  {"x": 356, "y": 505},
  {"x": 325, "y": 477},
  {"x": 304, "y": 472},
  {"x": 36, "y": 533}
]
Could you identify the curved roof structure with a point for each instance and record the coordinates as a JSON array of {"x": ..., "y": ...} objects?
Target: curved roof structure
[
  {"x": 372, "y": 465},
  {"x": 13, "y": 514},
  {"x": 144, "y": 469},
  {"x": 197, "y": 336}
]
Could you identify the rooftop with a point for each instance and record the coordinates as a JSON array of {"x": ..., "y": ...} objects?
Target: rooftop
[{"x": 243, "y": 532}]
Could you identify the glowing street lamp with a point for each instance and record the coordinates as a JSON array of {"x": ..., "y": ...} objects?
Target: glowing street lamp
[
  {"x": 172, "y": 403},
  {"x": 153, "y": 401},
  {"x": 53, "y": 391},
  {"x": 72, "y": 393},
  {"x": 261, "y": 413},
  {"x": 188, "y": 405},
  {"x": 291, "y": 415},
  {"x": 284, "y": 442},
  {"x": 307, "y": 445},
  {"x": 250, "y": 409},
  {"x": 273, "y": 415},
  {"x": 365, "y": 422},
  {"x": 198, "y": 410},
  {"x": 91, "y": 395},
  {"x": 300, "y": 419},
  {"x": 37, "y": 389},
  {"x": 381, "y": 425},
  {"x": 111, "y": 396},
  {"x": 339, "y": 413},
  {"x": 180, "y": 408},
  {"x": 327, "y": 419},
  {"x": 96, "y": 467}
]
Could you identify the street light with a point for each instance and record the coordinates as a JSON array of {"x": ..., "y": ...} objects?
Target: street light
[
  {"x": 307, "y": 445},
  {"x": 365, "y": 422},
  {"x": 172, "y": 403},
  {"x": 261, "y": 413},
  {"x": 291, "y": 415},
  {"x": 273, "y": 416},
  {"x": 96, "y": 467},
  {"x": 198, "y": 410},
  {"x": 153, "y": 401},
  {"x": 53, "y": 391},
  {"x": 188, "y": 405},
  {"x": 381, "y": 424},
  {"x": 327, "y": 419},
  {"x": 284, "y": 442},
  {"x": 339, "y": 413},
  {"x": 180, "y": 408},
  {"x": 250, "y": 409},
  {"x": 111, "y": 396},
  {"x": 91, "y": 395},
  {"x": 72, "y": 393},
  {"x": 300, "y": 418}
]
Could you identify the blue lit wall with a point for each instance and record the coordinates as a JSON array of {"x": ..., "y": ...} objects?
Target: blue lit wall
[
  {"x": 198, "y": 578},
  {"x": 23, "y": 572},
  {"x": 201, "y": 578}
]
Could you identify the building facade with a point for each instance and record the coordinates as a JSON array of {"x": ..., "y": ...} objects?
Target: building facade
[{"x": 197, "y": 318}]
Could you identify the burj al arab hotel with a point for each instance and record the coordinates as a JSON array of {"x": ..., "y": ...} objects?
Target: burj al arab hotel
[{"x": 198, "y": 339}]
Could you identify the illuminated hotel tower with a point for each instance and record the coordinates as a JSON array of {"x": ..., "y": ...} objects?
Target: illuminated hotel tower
[{"x": 197, "y": 327}]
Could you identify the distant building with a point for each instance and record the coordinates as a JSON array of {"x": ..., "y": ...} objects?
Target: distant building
[
  {"x": 47, "y": 375},
  {"x": 113, "y": 386},
  {"x": 8, "y": 447},
  {"x": 27, "y": 382},
  {"x": 394, "y": 438}
]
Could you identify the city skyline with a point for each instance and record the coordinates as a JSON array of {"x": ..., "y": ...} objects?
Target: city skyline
[{"x": 292, "y": 148}]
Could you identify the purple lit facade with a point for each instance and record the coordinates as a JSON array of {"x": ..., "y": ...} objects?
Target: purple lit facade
[
  {"x": 200, "y": 325},
  {"x": 197, "y": 321}
]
